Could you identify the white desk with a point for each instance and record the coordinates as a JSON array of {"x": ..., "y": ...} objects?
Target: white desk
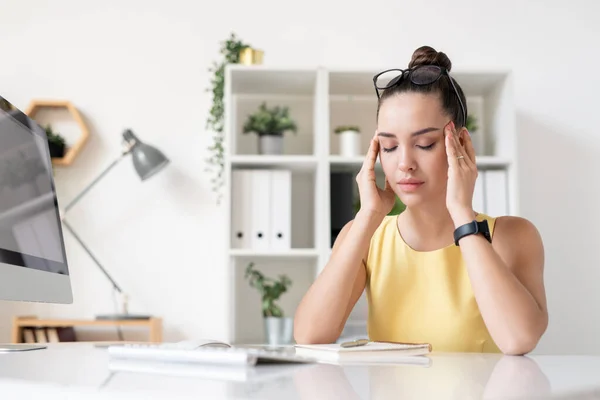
[{"x": 80, "y": 371}]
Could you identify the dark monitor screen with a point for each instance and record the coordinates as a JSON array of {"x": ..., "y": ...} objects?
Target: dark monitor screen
[{"x": 30, "y": 229}]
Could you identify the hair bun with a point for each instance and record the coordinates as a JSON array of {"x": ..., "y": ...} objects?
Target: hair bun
[{"x": 426, "y": 55}]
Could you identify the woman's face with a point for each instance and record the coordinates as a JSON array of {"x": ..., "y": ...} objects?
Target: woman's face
[{"x": 410, "y": 129}]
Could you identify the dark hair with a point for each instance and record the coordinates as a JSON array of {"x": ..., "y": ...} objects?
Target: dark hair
[{"x": 426, "y": 55}]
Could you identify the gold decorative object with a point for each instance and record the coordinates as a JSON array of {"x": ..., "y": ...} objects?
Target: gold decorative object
[{"x": 250, "y": 56}]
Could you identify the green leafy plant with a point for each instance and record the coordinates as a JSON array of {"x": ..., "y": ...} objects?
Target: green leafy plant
[
  {"x": 471, "y": 123},
  {"x": 230, "y": 52},
  {"x": 270, "y": 121},
  {"x": 56, "y": 142},
  {"x": 344, "y": 128},
  {"x": 269, "y": 289}
]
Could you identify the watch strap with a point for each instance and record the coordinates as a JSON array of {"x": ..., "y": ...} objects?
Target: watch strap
[{"x": 472, "y": 228}]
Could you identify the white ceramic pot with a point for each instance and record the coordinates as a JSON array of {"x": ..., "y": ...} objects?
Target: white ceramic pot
[
  {"x": 270, "y": 144},
  {"x": 349, "y": 143},
  {"x": 279, "y": 330}
]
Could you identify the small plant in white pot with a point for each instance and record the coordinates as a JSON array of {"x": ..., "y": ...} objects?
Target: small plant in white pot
[
  {"x": 349, "y": 140},
  {"x": 270, "y": 124},
  {"x": 278, "y": 327}
]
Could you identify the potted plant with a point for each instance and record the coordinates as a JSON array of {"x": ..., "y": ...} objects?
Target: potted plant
[
  {"x": 230, "y": 54},
  {"x": 349, "y": 140},
  {"x": 472, "y": 127},
  {"x": 270, "y": 124},
  {"x": 278, "y": 327},
  {"x": 56, "y": 143}
]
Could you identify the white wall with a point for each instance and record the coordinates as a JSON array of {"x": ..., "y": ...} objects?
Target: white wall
[{"x": 143, "y": 65}]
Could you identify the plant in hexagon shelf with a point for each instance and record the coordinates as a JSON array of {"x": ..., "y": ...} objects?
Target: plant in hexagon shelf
[
  {"x": 279, "y": 328},
  {"x": 56, "y": 143},
  {"x": 61, "y": 153}
]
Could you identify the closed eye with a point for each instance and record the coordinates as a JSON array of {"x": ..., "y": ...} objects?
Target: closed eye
[
  {"x": 390, "y": 149},
  {"x": 427, "y": 147}
]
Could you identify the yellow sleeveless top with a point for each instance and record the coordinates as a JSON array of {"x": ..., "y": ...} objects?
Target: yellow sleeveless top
[{"x": 422, "y": 296}]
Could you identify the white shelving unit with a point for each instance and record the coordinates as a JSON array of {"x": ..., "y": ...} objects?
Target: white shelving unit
[{"x": 319, "y": 99}]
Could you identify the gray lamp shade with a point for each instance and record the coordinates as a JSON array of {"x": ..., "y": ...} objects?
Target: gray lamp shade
[{"x": 147, "y": 160}]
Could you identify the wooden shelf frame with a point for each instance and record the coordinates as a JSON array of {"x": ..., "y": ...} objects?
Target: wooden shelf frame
[
  {"x": 73, "y": 150},
  {"x": 154, "y": 325}
]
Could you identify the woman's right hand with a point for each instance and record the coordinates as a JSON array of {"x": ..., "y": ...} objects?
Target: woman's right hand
[{"x": 373, "y": 200}]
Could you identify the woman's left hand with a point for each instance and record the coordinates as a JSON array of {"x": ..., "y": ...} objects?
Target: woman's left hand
[{"x": 462, "y": 174}]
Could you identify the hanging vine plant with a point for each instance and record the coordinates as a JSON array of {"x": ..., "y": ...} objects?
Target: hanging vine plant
[{"x": 230, "y": 52}]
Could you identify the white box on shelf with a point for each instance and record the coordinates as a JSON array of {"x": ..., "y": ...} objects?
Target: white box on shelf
[
  {"x": 478, "y": 193},
  {"x": 260, "y": 201},
  {"x": 496, "y": 193},
  {"x": 281, "y": 209},
  {"x": 241, "y": 209}
]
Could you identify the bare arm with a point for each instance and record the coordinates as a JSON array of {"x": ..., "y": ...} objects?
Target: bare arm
[
  {"x": 322, "y": 313},
  {"x": 324, "y": 309},
  {"x": 507, "y": 274},
  {"x": 507, "y": 279}
]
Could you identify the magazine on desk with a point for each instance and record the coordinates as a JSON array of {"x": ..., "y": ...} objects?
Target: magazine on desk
[{"x": 370, "y": 352}]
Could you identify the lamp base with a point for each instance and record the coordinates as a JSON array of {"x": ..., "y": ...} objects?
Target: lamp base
[{"x": 116, "y": 317}]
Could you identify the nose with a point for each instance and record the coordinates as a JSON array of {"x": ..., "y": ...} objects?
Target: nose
[{"x": 406, "y": 160}]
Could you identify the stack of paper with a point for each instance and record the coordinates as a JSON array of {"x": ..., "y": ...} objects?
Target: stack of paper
[{"x": 371, "y": 352}]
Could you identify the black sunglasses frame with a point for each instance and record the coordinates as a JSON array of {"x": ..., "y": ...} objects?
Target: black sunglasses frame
[{"x": 409, "y": 72}]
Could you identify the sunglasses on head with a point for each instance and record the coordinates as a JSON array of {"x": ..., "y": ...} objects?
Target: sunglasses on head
[{"x": 421, "y": 75}]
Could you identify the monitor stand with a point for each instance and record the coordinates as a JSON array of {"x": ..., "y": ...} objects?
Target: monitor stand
[{"x": 10, "y": 348}]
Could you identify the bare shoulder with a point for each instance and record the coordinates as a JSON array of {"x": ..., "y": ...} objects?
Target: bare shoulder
[{"x": 518, "y": 241}]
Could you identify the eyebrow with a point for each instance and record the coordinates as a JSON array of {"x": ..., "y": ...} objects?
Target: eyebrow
[{"x": 417, "y": 133}]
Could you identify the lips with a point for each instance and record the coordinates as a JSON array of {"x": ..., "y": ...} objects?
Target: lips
[
  {"x": 409, "y": 184},
  {"x": 409, "y": 181}
]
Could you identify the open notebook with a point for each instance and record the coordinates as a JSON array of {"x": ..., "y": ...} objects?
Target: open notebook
[{"x": 387, "y": 352}]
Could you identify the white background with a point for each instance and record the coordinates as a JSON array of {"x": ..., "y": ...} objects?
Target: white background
[{"x": 144, "y": 65}]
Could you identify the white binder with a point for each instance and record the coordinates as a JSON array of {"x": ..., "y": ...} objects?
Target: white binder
[
  {"x": 281, "y": 209},
  {"x": 261, "y": 204},
  {"x": 478, "y": 193},
  {"x": 241, "y": 209},
  {"x": 496, "y": 193}
]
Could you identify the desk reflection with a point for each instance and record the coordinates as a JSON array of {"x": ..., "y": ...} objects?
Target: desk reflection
[{"x": 448, "y": 377}]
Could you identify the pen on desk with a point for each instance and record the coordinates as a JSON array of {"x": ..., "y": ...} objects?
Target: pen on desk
[{"x": 355, "y": 343}]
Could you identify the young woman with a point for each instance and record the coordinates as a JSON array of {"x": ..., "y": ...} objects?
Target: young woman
[{"x": 440, "y": 272}]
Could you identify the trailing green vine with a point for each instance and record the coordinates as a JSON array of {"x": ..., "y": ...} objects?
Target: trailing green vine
[{"x": 230, "y": 52}]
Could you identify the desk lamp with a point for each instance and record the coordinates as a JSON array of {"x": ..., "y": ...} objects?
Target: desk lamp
[{"x": 147, "y": 161}]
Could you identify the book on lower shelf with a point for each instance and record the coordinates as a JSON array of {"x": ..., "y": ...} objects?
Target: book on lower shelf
[{"x": 49, "y": 335}]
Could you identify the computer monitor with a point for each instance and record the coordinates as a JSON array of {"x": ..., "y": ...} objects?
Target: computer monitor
[{"x": 33, "y": 262}]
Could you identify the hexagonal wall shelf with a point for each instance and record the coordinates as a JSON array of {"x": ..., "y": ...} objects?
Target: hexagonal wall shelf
[{"x": 72, "y": 150}]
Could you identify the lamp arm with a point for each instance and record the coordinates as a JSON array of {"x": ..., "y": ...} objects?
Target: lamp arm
[
  {"x": 93, "y": 183},
  {"x": 70, "y": 229},
  {"x": 77, "y": 198}
]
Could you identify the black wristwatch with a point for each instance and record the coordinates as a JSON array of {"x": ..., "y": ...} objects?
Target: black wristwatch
[{"x": 472, "y": 228}]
